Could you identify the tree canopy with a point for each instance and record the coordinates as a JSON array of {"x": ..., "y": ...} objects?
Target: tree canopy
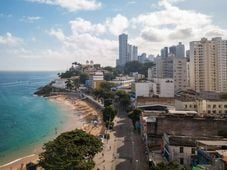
[
  {"x": 136, "y": 66},
  {"x": 83, "y": 77},
  {"x": 109, "y": 113},
  {"x": 123, "y": 98},
  {"x": 168, "y": 166},
  {"x": 69, "y": 151}
]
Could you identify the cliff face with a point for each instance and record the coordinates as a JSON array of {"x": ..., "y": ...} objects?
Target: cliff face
[{"x": 48, "y": 90}]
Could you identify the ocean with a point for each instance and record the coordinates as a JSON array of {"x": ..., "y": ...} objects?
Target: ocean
[{"x": 25, "y": 119}]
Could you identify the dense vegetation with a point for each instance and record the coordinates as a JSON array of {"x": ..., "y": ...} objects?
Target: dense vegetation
[
  {"x": 136, "y": 66},
  {"x": 167, "y": 166},
  {"x": 70, "y": 151},
  {"x": 109, "y": 113},
  {"x": 135, "y": 117}
]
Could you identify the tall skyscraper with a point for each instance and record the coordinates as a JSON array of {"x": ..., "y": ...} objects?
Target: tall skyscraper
[
  {"x": 208, "y": 65},
  {"x": 127, "y": 52},
  {"x": 123, "y": 49},
  {"x": 180, "y": 50},
  {"x": 135, "y": 53},
  {"x": 164, "y": 52},
  {"x": 173, "y": 50}
]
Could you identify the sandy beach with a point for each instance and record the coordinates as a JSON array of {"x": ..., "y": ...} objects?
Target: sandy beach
[{"x": 78, "y": 114}]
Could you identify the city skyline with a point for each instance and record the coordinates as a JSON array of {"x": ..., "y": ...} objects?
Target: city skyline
[{"x": 50, "y": 34}]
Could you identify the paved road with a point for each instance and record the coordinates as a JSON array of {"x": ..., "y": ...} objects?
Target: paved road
[
  {"x": 128, "y": 145},
  {"x": 124, "y": 150}
]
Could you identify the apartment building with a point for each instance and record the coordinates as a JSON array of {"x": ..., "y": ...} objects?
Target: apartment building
[{"x": 208, "y": 65}]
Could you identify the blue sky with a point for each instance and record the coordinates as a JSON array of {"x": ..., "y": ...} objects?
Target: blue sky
[{"x": 51, "y": 34}]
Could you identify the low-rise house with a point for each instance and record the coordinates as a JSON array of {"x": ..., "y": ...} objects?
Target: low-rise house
[
  {"x": 212, "y": 153},
  {"x": 203, "y": 104},
  {"x": 96, "y": 79},
  {"x": 157, "y": 87},
  {"x": 123, "y": 81},
  {"x": 180, "y": 149}
]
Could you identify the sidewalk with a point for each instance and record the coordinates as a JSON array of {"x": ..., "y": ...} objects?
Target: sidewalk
[{"x": 105, "y": 159}]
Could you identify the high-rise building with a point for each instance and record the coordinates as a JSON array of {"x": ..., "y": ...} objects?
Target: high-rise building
[
  {"x": 123, "y": 49},
  {"x": 127, "y": 52},
  {"x": 208, "y": 65},
  {"x": 172, "y": 67},
  {"x": 142, "y": 58},
  {"x": 130, "y": 53},
  {"x": 173, "y": 50},
  {"x": 164, "y": 52},
  {"x": 180, "y": 50},
  {"x": 180, "y": 73},
  {"x": 135, "y": 53}
]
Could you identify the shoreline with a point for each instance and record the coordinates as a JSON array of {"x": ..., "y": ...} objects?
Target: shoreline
[{"x": 77, "y": 114}]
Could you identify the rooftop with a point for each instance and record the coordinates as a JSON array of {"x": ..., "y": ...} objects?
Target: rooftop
[
  {"x": 213, "y": 142},
  {"x": 149, "y": 100}
]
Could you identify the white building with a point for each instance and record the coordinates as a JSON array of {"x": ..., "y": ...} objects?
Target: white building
[
  {"x": 208, "y": 65},
  {"x": 123, "y": 82},
  {"x": 179, "y": 148},
  {"x": 159, "y": 87}
]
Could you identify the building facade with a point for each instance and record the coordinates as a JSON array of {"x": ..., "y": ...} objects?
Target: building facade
[
  {"x": 208, "y": 65},
  {"x": 157, "y": 87},
  {"x": 123, "y": 49}
]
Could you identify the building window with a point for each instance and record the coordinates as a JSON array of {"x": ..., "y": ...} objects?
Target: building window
[
  {"x": 214, "y": 106},
  {"x": 185, "y": 106},
  {"x": 182, "y": 161},
  {"x": 219, "y": 106},
  {"x": 208, "y": 111},
  {"x": 208, "y": 106},
  {"x": 193, "y": 150},
  {"x": 181, "y": 149},
  {"x": 225, "y": 106}
]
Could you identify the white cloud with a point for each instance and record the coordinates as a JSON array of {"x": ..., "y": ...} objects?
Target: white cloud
[
  {"x": 9, "y": 39},
  {"x": 85, "y": 46},
  {"x": 30, "y": 19},
  {"x": 169, "y": 24},
  {"x": 83, "y": 26},
  {"x": 117, "y": 24},
  {"x": 72, "y": 5}
]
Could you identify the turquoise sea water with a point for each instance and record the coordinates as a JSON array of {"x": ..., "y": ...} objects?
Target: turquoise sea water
[{"x": 25, "y": 119}]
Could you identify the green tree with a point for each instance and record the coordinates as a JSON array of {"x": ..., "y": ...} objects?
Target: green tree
[
  {"x": 144, "y": 69},
  {"x": 109, "y": 113},
  {"x": 133, "y": 66},
  {"x": 83, "y": 78},
  {"x": 123, "y": 98},
  {"x": 135, "y": 116},
  {"x": 109, "y": 68},
  {"x": 168, "y": 166},
  {"x": 70, "y": 151},
  {"x": 109, "y": 76},
  {"x": 136, "y": 66},
  {"x": 106, "y": 86},
  {"x": 69, "y": 84}
]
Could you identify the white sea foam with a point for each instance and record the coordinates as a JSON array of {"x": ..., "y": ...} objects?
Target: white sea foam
[{"x": 17, "y": 160}]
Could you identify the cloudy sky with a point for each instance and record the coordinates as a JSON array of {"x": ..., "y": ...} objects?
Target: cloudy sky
[{"x": 51, "y": 34}]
